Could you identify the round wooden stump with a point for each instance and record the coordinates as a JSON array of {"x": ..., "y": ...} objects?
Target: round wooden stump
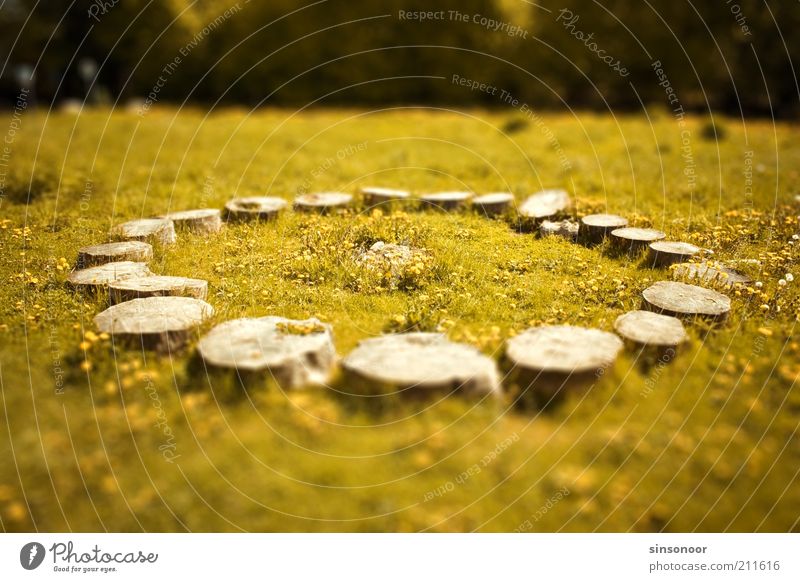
[
  {"x": 417, "y": 364},
  {"x": 494, "y": 203},
  {"x": 322, "y": 202},
  {"x": 647, "y": 328},
  {"x": 202, "y": 221},
  {"x": 294, "y": 352},
  {"x": 567, "y": 229},
  {"x": 135, "y": 251},
  {"x": 157, "y": 286},
  {"x": 99, "y": 277},
  {"x": 715, "y": 275},
  {"x": 688, "y": 301},
  {"x": 376, "y": 196},
  {"x": 151, "y": 230},
  {"x": 596, "y": 227},
  {"x": 546, "y": 361},
  {"x": 545, "y": 204},
  {"x": 445, "y": 201},
  {"x": 666, "y": 253},
  {"x": 254, "y": 208},
  {"x": 163, "y": 324},
  {"x": 635, "y": 239}
]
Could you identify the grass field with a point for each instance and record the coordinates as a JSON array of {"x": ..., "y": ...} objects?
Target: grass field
[{"x": 708, "y": 442}]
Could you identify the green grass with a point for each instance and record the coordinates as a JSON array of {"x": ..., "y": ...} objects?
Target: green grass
[{"x": 706, "y": 443}]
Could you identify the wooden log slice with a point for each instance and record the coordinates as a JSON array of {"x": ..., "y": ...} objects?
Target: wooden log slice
[
  {"x": 99, "y": 277},
  {"x": 157, "y": 286},
  {"x": 134, "y": 251},
  {"x": 254, "y": 208},
  {"x": 150, "y": 230},
  {"x": 687, "y": 301}
]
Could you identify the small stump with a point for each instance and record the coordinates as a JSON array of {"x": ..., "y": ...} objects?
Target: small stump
[
  {"x": 202, "y": 221},
  {"x": 544, "y": 204},
  {"x": 254, "y": 208},
  {"x": 567, "y": 229},
  {"x": 549, "y": 360},
  {"x": 635, "y": 239},
  {"x": 163, "y": 324},
  {"x": 446, "y": 201},
  {"x": 377, "y": 196},
  {"x": 649, "y": 329},
  {"x": 99, "y": 277},
  {"x": 665, "y": 253},
  {"x": 150, "y": 230},
  {"x": 322, "y": 202},
  {"x": 294, "y": 353},
  {"x": 716, "y": 275},
  {"x": 688, "y": 301},
  {"x": 418, "y": 364},
  {"x": 157, "y": 286},
  {"x": 135, "y": 251},
  {"x": 596, "y": 227},
  {"x": 494, "y": 203},
  {"x": 390, "y": 259}
]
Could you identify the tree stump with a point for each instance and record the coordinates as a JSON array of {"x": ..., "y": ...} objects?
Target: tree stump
[
  {"x": 650, "y": 329},
  {"x": 686, "y": 301},
  {"x": 157, "y": 286},
  {"x": 254, "y": 208},
  {"x": 134, "y": 251},
  {"x": 201, "y": 221},
  {"x": 493, "y": 204},
  {"x": 666, "y": 253},
  {"x": 445, "y": 201},
  {"x": 294, "y": 353},
  {"x": 150, "y": 230},
  {"x": 322, "y": 202},
  {"x": 99, "y": 277},
  {"x": 418, "y": 364},
  {"x": 596, "y": 227},
  {"x": 635, "y": 239},
  {"x": 164, "y": 324},
  {"x": 545, "y": 204},
  {"x": 377, "y": 196},
  {"x": 716, "y": 275}
]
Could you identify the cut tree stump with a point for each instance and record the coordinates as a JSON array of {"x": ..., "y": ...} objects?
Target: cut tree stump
[
  {"x": 650, "y": 329},
  {"x": 135, "y": 251},
  {"x": 163, "y": 324},
  {"x": 716, "y": 274},
  {"x": 99, "y": 277},
  {"x": 201, "y": 221},
  {"x": 686, "y": 301},
  {"x": 150, "y": 230},
  {"x": 494, "y": 203},
  {"x": 545, "y": 204},
  {"x": 157, "y": 286},
  {"x": 635, "y": 239},
  {"x": 254, "y": 208},
  {"x": 446, "y": 201},
  {"x": 596, "y": 227},
  {"x": 666, "y": 253},
  {"x": 549, "y": 360},
  {"x": 294, "y": 352},
  {"x": 374, "y": 196},
  {"x": 417, "y": 364},
  {"x": 322, "y": 202},
  {"x": 567, "y": 229}
]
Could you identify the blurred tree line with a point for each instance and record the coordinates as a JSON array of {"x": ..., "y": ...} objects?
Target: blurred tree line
[{"x": 726, "y": 54}]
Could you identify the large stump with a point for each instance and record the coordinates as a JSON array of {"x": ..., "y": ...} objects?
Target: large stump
[
  {"x": 293, "y": 352},
  {"x": 374, "y": 196},
  {"x": 445, "y": 201},
  {"x": 650, "y": 329},
  {"x": 99, "y": 277},
  {"x": 596, "y": 227},
  {"x": 150, "y": 230},
  {"x": 666, "y": 253},
  {"x": 634, "y": 239},
  {"x": 164, "y": 324},
  {"x": 545, "y": 204},
  {"x": 254, "y": 208},
  {"x": 494, "y": 203},
  {"x": 549, "y": 360},
  {"x": 157, "y": 286},
  {"x": 687, "y": 301},
  {"x": 418, "y": 364},
  {"x": 134, "y": 251},
  {"x": 201, "y": 221},
  {"x": 322, "y": 202}
]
